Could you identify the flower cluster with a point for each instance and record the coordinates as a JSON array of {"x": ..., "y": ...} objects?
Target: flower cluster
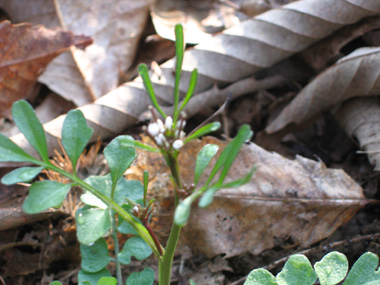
[{"x": 167, "y": 135}]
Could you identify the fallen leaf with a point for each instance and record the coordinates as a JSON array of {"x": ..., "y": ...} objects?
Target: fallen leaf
[
  {"x": 357, "y": 74},
  {"x": 26, "y": 50},
  {"x": 115, "y": 26},
  {"x": 360, "y": 118},
  {"x": 287, "y": 202},
  {"x": 231, "y": 56}
]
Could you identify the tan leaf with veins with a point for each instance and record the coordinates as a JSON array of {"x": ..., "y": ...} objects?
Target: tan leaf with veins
[
  {"x": 115, "y": 26},
  {"x": 26, "y": 50},
  {"x": 294, "y": 202}
]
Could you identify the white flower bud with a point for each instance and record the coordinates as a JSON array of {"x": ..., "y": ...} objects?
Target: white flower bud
[
  {"x": 182, "y": 135},
  {"x": 161, "y": 125},
  {"x": 153, "y": 129},
  {"x": 168, "y": 123},
  {"x": 160, "y": 139},
  {"x": 177, "y": 144}
]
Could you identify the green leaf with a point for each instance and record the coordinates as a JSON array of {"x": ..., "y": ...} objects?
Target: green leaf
[
  {"x": 92, "y": 224},
  {"x": 182, "y": 212},
  {"x": 364, "y": 271},
  {"x": 203, "y": 131},
  {"x": 190, "y": 91},
  {"x": 107, "y": 281},
  {"x": 28, "y": 123},
  {"x": 192, "y": 282},
  {"x": 91, "y": 278},
  {"x": 136, "y": 247},
  {"x": 241, "y": 181},
  {"x": 130, "y": 142},
  {"x": 203, "y": 159},
  {"x": 297, "y": 271},
  {"x": 44, "y": 195},
  {"x": 260, "y": 277},
  {"x": 9, "y": 151},
  {"x": 143, "y": 71},
  {"x": 124, "y": 227},
  {"x": 243, "y": 135},
  {"x": 332, "y": 268},
  {"x": 125, "y": 189},
  {"x": 75, "y": 135},
  {"x": 145, "y": 277},
  {"x": 94, "y": 257},
  {"x": 208, "y": 196},
  {"x": 23, "y": 174},
  {"x": 55, "y": 283},
  {"x": 179, "y": 51},
  {"x": 119, "y": 158}
]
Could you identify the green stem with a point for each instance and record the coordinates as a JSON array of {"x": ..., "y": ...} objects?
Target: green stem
[
  {"x": 116, "y": 245},
  {"x": 165, "y": 265},
  {"x": 139, "y": 228}
]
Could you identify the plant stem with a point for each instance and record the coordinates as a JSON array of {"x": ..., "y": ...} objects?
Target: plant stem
[
  {"x": 165, "y": 265},
  {"x": 139, "y": 228},
  {"x": 116, "y": 245}
]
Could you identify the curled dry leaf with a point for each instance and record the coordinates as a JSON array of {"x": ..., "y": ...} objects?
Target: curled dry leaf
[
  {"x": 115, "y": 26},
  {"x": 357, "y": 74},
  {"x": 360, "y": 118},
  {"x": 231, "y": 56},
  {"x": 26, "y": 50},
  {"x": 294, "y": 202}
]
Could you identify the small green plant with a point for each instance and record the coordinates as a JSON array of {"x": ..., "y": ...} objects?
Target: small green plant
[
  {"x": 331, "y": 270},
  {"x": 111, "y": 203}
]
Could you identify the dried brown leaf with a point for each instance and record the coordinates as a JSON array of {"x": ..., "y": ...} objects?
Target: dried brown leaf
[
  {"x": 294, "y": 202},
  {"x": 226, "y": 58},
  {"x": 115, "y": 26},
  {"x": 26, "y": 50},
  {"x": 360, "y": 118},
  {"x": 354, "y": 75}
]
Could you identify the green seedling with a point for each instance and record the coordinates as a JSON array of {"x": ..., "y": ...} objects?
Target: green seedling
[{"x": 331, "y": 270}]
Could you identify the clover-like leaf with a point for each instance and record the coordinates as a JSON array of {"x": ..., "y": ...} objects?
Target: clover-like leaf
[
  {"x": 107, "y": 281},
  {"x": 364, "y": 271},
  {"x": 23, "y": 174},
  {"x": 28, "y": 123},
  {"x": 145, "y": 277},
  {"x": 75, "y": 135},
  {"x": 136, "y": 247},
  {"x": 44, "y": 195},
  {"x": 297, "y": 271},
  {"x": 260, "y": 277},
  {"x": 95, "y": 257},
  {"x": 332, "y": 268},
  {"x": 85, "y": 278},
  {"x": 92, "y": 224}
]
